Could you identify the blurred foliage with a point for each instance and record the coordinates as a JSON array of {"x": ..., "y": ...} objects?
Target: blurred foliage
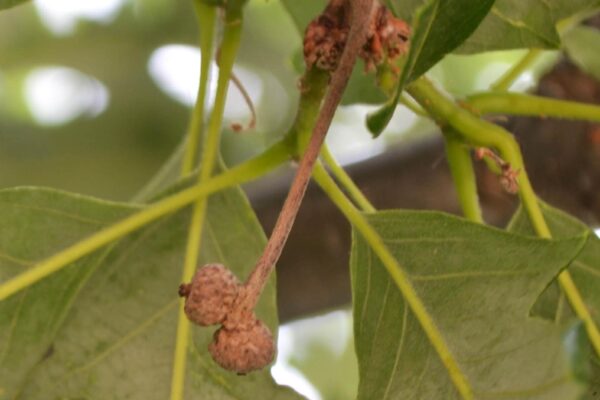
[{"x": 113, "y": 154}]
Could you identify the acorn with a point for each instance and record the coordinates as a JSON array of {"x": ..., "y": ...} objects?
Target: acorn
[
  {"x": 244, "y": 349},
  {"x": 210, "y": 295}
]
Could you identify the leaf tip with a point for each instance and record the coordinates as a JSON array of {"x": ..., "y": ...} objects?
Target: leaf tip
[{"x": 378, "y": 120}]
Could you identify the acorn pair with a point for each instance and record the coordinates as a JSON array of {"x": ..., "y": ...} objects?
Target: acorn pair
[{"x": 241, "y": 344}]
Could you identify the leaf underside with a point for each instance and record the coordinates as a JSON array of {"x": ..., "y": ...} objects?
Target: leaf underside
[
  {"x": 478, "y": 284},
  {"x": 104, "y": 327}
]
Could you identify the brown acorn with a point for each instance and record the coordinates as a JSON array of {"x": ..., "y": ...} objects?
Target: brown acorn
[
  {"x": 210, "y": 295},
  {"x": 247, "y": 348}
]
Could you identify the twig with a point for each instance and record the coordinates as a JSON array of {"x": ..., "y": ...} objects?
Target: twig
[
  {"x": 237, "y": 127},
  {"x": 246, "y": 301}
]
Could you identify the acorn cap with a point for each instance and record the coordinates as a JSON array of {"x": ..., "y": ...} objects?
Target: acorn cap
[
  {"x": 210, "y": 295},
  {"x": 243, "y": 350}
]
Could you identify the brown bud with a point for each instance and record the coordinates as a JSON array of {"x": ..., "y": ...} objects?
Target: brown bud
[
  {"x": 245, "y": 349},
  {"x": 210, "y": 294}
]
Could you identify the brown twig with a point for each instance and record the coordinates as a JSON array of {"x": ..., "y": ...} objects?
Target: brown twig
[
  {"x": 236, "y": 126},
  {"x": 361, "y": 14}
]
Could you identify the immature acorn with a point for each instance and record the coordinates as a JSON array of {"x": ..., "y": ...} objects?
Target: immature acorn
[
  {"x": 210, "y": 295},
  {"x": 245, "y": 349}
]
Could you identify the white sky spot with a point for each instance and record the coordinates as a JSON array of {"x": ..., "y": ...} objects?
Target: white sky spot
[
  {"x": 176, "y": 68},
  {"x": 349, "y": 138},
  {"x": 524, "y": 82},
  {"x": 284, "y": 373},
  {"x": 333, "y": 330},
  {"x": 57, "y": 95},
  {"x": 61, "y": 16},
  {"x": 493, "y": 70},
  {"x": 490, "y": 73},
  {"x": 597, "y": 232}
]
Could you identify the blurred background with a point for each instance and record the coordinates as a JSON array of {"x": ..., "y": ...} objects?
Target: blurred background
[{"x": 95, "y": 96}]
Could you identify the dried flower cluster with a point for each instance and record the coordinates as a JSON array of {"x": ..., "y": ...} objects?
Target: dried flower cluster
[
  {"x": 508, "y": 175},
  {"x": 326, "y": 36}
]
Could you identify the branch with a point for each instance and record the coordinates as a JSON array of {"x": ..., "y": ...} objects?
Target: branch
[{"x": 361, "y": 13}]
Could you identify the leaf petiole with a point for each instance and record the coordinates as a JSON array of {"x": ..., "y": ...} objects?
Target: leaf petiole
[
  {"x": 399, "y": 276},
  {"x": 509, "y": 77},
  {"x": 210, "y": 151},
  {"x": 461, "y": 168},
  {"x": 206, "y": 20},
  {"x": 344, "y": 179},
  {"x": 526, "y": 104}
]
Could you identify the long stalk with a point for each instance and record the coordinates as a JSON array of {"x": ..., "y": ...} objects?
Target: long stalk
[
  {"x": 361, "y": 16},
  {"x": 509, "y": 77},
  {"x": 344, "y": 179},
  {"x": 210, "y": 151},
  {"x": 526, "y": 104},
  {"x": 206, "y": 19},
  {"x": 463, "y": 175}
]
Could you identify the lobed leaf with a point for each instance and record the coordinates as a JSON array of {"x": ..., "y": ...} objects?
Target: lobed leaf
[
  {"x": 104, "y": 327},
  {"x": 585, "y": 271},
  {"x": 478, "y": 284}
]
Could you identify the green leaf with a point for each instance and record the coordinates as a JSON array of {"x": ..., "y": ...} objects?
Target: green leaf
[
  {"x": 583, "y": 47},
  {"x": 585, "y": 271},
  {"x": 165, "y": 177},
  {"x": 514, "y": 24},
  {"x": 438, "y": 27},
  {"x": 4, "y": 4},
  {"x": 478, "y": 284},
  {"x": 302, "y": 12},
  {"x": 104, "y": 327}
]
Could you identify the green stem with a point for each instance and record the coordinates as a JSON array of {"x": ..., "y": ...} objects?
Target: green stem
[
  {"x": 482, "y": 133},
  {"x": 479, "y": 132},
  {"x": 525, "y": 104},
  {"x": 344, "y": 179},
  {"x": 206, "y": 18},
  {"x": 463, "y": 174},
  {"x": 399, "y": 276},
  {"x": 210, "y": 150},
  {"x": 408, "y": 103},
  {"x": 313, "y": 86},
  {"x": 244, "y": 172},
  {"x": 510, "y": 76}
]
